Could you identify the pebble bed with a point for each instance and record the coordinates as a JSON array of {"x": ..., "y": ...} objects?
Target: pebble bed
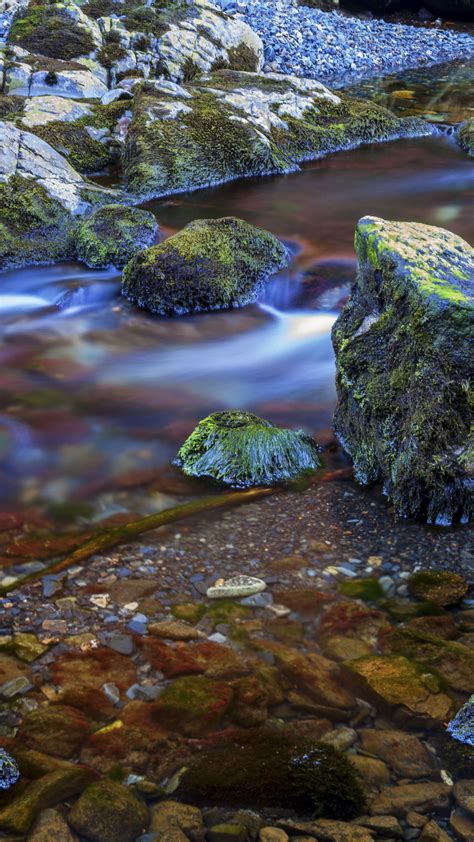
[{"x": 337, "y": 49}]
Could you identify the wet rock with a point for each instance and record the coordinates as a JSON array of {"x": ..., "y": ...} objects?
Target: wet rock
[
  {"x": 240, "y": 124},
  {"x": 462, "y": 824},
  {"x": 108, "y": 812},
  {"x": 438, "y": 586},
  {"x": 227, "y": 833},
  {"x": 403, "y": 687},
  {"x": 238, "y": 586},
  {"x": 466, "y": 136},
  {"x": 49, "y": 790},
  {"x": 94, "y": 669},
  {"x": 212, "y": 264},
  {"x": 424, "y": 797},
  {"x": 49, "y": 826},
  {"x": 351, "y": 619},
  {"x": 375, "y": 773},
  {"x": 432, "y": 832},
  {"x": 442, "y": 627},
  {"x": 461, "y": 726},
  {"x": 273, "y": 834},
  {"x": 175, "y": 630},
  {"x": 383, "y": 826},
  {"x": 193, "y": 705},
  {"x": 328, "y": 831},
  {"x": 241, "y": 450},
  {"x": 403, "y": 752},
  {"x": 403, "y": 413},
  {"x": 168, "y": 816},
  {"x": 464, "y": 795},
  {"x": 24, "y": 645},
  {"x": 9, "y": 771},
  {"x": 341, "y": 648},
  {"x": 453, "y": 661},
  {"x": 112, "y": 235},
  {"x": 55, "y": 729}
]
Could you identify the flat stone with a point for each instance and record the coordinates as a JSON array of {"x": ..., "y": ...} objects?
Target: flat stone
[
  {"x": 41, "y": 110},
  {"x": 432, "y": 832},
  {"x": 464, "y": 795},
  {"x": 50, "y": 825},
  {"x": 273, "y": 834},
  {"x": 238, "y": 586},
  {"x": 403, "y": 752},
  {"x": 375, "y": 773},
  {"x": 382, "y": 825},
  {"x": 175, "y": 630},
  {"x": 462, "y": 824},
  {"x": 423, "y": 797},
  {"x": 227, "y": 833},
  {"x": 328, "y": 830}
]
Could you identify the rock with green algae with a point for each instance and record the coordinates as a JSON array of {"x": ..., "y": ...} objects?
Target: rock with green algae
[
  {"x": 466, "y": 136},
  {"x": 113, "y": 234},
  {"x": 402, "y": 347},
  {"x": 109, "y": 812},
  {"x": 452, "y": 660},
  {"x": 52, "y": 788},
  {"x": 212, "y": 264},
  {"x": 274, "y": 768},
  {"x": 193, "y": 705},
  {"x": 409, "y": 691},
  {"x": 241, "y": 450},
  {"x": 59, "y": 730},
  {"x": 235, "y": 124},
  {"x": 443, "y": 587}
]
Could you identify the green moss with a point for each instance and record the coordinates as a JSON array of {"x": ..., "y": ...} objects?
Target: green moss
[
  {"x": 107, "y": 810},
  {"x": 50, "y": 31},
  {"x": 209, "y": 265},
  {"x": 193, "y": 704},
  {"x": 370, "y": 590},
  {"x": 242, "y": 57},
  {"x": 34, "y": 228},
  {"x": 111, "y": 53},
  {"x": 190, "y": 612},
  {"x": 113, "y": 234},
  {"x": 272, "y": 768},
  {"x": 241, "y": 450},
  {"x": 440, "y": 586},
  {"x": 10, "y": 107},
  {"x": 72, "y": 140}
]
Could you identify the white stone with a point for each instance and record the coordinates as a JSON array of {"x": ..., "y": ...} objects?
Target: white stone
[
  {"x": 41, "y": 110},
  {"x": 73, "y": 84},
  {"x": 115, "y": 94},
  {"x": 237, "y": 586}
]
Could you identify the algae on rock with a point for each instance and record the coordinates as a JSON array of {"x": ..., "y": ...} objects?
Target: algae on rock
[
  {"x": 236, "y": 124},
  {"x": 212, "y": 264},
  {"x": 112, "y": 235},
  {"x": 241, "y": 450},
  {"x": 402, "y": 346}
]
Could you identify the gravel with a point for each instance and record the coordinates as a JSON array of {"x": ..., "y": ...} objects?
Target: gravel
[{"x": 337, "y": 49}]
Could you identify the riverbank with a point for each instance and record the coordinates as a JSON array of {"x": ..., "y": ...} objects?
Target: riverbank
[{"x": 337, "y": 49}]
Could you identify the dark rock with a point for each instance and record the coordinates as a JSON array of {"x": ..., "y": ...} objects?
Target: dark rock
[
  {"x": 109, "y": 812},
  {"x": 112, "y": 235}
]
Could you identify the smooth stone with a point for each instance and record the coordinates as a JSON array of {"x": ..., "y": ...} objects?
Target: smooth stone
[{"x": 238, "y": 586}]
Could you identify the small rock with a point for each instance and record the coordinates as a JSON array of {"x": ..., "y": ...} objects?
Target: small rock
[
  {"x": 227, "y": 833},
  {"x": 432, "y": 832},
  {"x": 464, "y": 795},
  {"x": 108, "y": 812},
  {"x": 273, "y": 834},
  {"x": 237, "y": 586},
  {"x": 9, "y": 771},
  {"x": 399, "y": 800},
  {"x": 50, "y": 826}
]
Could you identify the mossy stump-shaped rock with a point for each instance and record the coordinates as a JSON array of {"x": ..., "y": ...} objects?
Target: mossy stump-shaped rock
[
  {"x": 403, "y": 354},
  {"x": 466, "y": 136},
  {"x": 212, "y": 264},
  {"x": 241, "y": 450},
  {"x": 112, "y": 235}
]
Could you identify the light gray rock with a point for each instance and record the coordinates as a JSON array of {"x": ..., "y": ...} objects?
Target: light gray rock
[
  {"x": 40, "y": 110},
  {"x": 116, "y": 94}
]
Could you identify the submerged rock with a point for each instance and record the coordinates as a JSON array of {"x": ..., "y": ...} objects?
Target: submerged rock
[
  {"x": 238, "y": 586},
  {"x": 462, "y": 726},
  {"x": 241, "y": 450},
  {"x": 109, "y": 812},
  {"x": 9, "y": 771},
  {"x": 212, "y": 264},
  {"x": 232, "y": 124},
  {"x": 112, "y": 235},
  {"x": 403, "y": 367},
  {"x": 443, "y": 587},
  {"x": 466, "y": 136}
]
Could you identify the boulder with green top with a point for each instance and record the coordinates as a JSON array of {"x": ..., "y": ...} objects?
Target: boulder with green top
[
  {"x": 235, "y": 124},
  {"x": 109, "y": 812},
  {"x": 54, "y": 787},
  {"x": 402, "y": 345},
  {"x": 409, "y": 691},
  {"x": 453, "y": 661},
  {"x": 443, "y": 587},
  {"x": 241, "y": 450},
  {"x": 212, "y": 264},
  {"x": 112, "y": 235},
  {"x": 466, "y": 136}
]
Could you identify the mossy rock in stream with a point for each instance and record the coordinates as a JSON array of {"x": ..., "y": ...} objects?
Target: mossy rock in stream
[
  {"x": 273, "y": 767},
  {"x": 236, "y": 124},
  {"x": 403, "y": 368},
  {"x": 241, "y": 450},
  {"x": 466, "y": 136},
  {"x": 212, "y": 264},
  {"x": 108, "y": 811},
  {"x": 112, "y": 235}
]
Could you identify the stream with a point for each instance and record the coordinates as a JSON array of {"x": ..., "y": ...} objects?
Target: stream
[{"x": 94, "y": 390}]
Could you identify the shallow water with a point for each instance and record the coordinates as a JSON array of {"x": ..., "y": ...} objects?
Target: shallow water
[{"x": 93, "y": 389}]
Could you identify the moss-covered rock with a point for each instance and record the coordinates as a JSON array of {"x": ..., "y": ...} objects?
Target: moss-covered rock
[
  {"x": 264, "y": 768},
  {"x": 212, "y": 264},
  {"x": 466, "y": 136},
  {"x": 241, "y": 450},
  {"x": 402, "y": 347},
  {"x": 443, "y": 587},
  {"x": 61, "y": 785},
  {"x": 452, "y": 660},
  {"x": 109, "y": 812},
  {"x": 369, "y": 590},
  {"x": 411, "y": 692},
  {"x": 112, "y": 235},
  {"x": 56, "y": 729},
  {"x": 234, "y": 124},
  {"x": 49, "y": 30},
  {"x": 193, "y": 705}
]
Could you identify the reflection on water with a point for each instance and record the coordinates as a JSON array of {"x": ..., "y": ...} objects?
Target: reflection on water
[{"x": 93, "y": 389}]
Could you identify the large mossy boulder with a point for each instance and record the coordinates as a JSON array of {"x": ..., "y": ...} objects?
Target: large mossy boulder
[
  {"x": 241, "y": 450},
  {"x": 403, "y": 355},
  {"x": 212, "y": 264},
  {"x": 233, "y": 125},
  {"x": 112, "y": 235},
  {"x": 274, "y": 768},
  {"x": 49, "y": 29}
]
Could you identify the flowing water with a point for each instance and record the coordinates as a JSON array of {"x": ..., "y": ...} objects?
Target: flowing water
[{"x": 93, "y": 389}]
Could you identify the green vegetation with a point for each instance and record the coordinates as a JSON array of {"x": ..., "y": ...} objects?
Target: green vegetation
[
  {"x": 49, "y": 30},
  {"x": 113, "y": 234}
]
